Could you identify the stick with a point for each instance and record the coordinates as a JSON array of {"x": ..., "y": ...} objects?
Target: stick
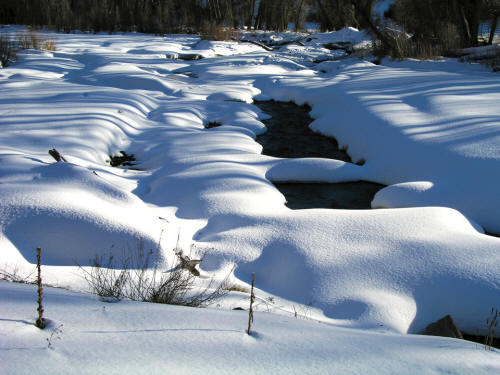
[
  {"x": 40, "y": 323},
  {"x": 250, "y": 312}
]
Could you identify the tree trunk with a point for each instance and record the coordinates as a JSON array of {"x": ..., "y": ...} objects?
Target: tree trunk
[
  {"x": 326, "y": 18},
  {"x": 493, "y": 29},
  {"x": 474, "y": 21},
  {"x": 298, "y": 15},
  {"x": 364, "y": 12},
  {"x": 252, "y": 14},
  {"x": 259, "y": 22},
  {"x": 466, "y": 25}
]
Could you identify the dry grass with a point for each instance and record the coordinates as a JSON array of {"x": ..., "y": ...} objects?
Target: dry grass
[
  {"x": 11, "y": 44},
  {"x": 33, "y": 40},
  {"x": 218, "y": 33},
  {"x": 29, "y": 40},
  {"x": 50, "y": 45},
  {"x": 403, "y": 48}
]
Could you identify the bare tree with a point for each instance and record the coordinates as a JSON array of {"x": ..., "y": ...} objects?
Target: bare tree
[
  {"x": 492, "y": 12},
  {"x": 432, "y": 20}
]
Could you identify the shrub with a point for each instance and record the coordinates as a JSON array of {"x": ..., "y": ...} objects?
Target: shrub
[
  {"x": 104, "y": 280},
  {"x": 399, "y": 45},
  {"x": 139, "y": 278}
]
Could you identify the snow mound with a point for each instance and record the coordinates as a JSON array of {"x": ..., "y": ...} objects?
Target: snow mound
[
  {"x": 346, "y": 264},
  {"x": 62, "y": 201}
]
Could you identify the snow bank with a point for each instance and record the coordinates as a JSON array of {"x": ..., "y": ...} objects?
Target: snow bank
[{"x": 412, "y": 122}]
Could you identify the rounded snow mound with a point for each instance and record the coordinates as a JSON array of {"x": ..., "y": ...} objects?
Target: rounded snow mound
[{"x": 73, "y": 214}]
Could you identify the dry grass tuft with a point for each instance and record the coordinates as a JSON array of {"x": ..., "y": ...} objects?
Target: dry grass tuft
[{"x": 50, "y": 45}]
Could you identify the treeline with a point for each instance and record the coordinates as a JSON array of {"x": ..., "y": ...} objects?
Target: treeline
[
  {"x": 149, "y": 16},
  {"x": 160, "y": 16},
  {"x": 427, "y": 19},
  {"x": 457, "y": 21}
]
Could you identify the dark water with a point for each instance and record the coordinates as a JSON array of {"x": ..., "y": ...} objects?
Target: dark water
[
  {"x": 347, "y": 195},
  {"x": 288, "y": 136}
]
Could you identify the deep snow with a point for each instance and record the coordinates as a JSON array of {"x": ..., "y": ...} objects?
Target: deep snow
[{"x": 427, "y": 129}]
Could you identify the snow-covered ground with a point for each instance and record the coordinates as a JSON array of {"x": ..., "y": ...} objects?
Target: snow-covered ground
[
  {"x": 429, "y": 130},
  {"x": 142, "y": 338}
]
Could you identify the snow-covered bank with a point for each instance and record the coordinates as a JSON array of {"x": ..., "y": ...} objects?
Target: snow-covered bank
[
  {"x": 142, "y": 338},
  {"x": 430, "y": 121},
  {"x": 429, "y": 129}
]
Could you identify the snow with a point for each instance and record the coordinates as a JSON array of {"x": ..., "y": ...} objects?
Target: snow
[
  {"x": 97, "y": 337},
  {"x": 373, "y": 278},
  {"x": 350, "y": 35},
  {"x": 314, "y": 170}
]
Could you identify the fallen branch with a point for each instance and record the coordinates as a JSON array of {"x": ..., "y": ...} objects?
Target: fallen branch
[{"x": 267, "y": 48}]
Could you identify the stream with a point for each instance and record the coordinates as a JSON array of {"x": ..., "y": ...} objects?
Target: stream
[{"x": 288, "y": 136}]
